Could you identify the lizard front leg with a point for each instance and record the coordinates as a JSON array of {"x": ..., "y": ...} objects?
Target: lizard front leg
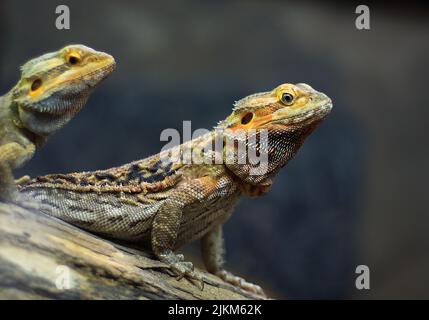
[
  {"x": 212, "y": 251},
  {"x": 166, "y": 224},
  {"x": 12, "y": 155}
]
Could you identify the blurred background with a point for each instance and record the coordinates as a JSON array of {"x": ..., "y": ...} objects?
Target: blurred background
[{"x": 355, "y": 193}]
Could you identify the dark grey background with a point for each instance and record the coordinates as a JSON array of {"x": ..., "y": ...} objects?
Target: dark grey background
[{"x": 355, "y": 193}]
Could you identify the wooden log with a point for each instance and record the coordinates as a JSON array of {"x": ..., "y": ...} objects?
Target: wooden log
[{"x": 45, "y": 258}]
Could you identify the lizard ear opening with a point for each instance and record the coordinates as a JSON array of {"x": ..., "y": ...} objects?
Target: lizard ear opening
[
  {"x": 247, "y": 118},
  {"x": 36, "y": 84},
  {"x": 73, "y": 58}
]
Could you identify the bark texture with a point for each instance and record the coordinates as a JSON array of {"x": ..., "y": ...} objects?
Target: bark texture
[{"x": 44, "y": 258}]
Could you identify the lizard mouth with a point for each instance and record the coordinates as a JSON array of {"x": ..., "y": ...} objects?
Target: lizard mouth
[
  {"x": 309, "y": 116},
  {"x": 92, "y": 78}
]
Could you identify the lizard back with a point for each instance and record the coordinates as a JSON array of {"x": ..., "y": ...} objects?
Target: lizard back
[{"x": 137, "y": 189}]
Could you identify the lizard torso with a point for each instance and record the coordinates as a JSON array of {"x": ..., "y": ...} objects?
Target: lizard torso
[
  {"x": 121, "y": 202},
  {"x": 165, "y": 201}
]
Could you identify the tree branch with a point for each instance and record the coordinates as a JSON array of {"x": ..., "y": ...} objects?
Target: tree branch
[{"x": 45, "y": 258}]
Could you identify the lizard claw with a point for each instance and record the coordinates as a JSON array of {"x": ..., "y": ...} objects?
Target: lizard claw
[
  {"x": 185, "y": 269},
  {"x": 240, "y": 282},
  {"x": 180, "y": 257},
  {"x": 180, "y": 268}
]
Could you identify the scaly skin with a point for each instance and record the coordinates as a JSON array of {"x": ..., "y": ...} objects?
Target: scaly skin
[
  {"x": 165, "y": 203},
  {"x": 52, "y": 89}
]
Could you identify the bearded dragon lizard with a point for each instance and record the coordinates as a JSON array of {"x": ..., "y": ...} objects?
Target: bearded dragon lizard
[
  {"x": 52, "y": 89},
  {"x": 164, "y": 202}
]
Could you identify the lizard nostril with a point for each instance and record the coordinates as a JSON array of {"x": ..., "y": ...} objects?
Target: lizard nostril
[
  {"x": 73, "y": 60},
  {"x": 247, "y": 118}
]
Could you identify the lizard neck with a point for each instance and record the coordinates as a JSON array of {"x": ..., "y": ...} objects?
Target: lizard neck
[
  {"x": 216, "y": 146},
  {"x": 45, "y": 123},
  {"x": 280, "y": 146},
  {"x": 9, "y": 118}
]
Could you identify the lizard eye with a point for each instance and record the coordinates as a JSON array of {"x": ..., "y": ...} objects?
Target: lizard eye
[
  {"x": 247, "y": 118},
  {"x": 287, "y": 98},
  {"x": 73, "y": 59},
  {"x": 36, "y": 84}
]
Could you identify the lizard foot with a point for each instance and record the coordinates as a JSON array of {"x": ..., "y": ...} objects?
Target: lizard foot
[
  {"x": 240, "y": 282},
  {"x": 182, "y": 269},
  {"x": 185, "y": 269}
]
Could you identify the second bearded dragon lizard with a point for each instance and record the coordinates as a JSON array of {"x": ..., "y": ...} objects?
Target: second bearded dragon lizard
[{"x": 52, "y": 89}]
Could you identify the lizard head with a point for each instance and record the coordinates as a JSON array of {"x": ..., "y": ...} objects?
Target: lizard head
[
  {"x": 288, "y": 105},
  {"x": 287, "y": 114},
  {"x": 55, "y": 86}
]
